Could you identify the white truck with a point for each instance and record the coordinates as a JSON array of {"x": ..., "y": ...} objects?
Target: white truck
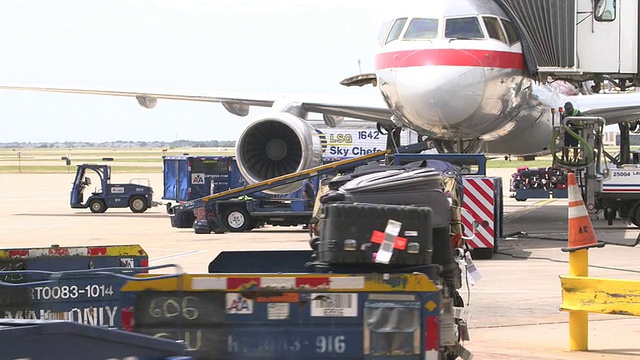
[{"x": 619, "y": 193}]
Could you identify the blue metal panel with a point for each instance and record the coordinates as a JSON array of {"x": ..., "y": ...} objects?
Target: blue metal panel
[
  {"x": 170, "y": 175},
  {"x": 272, "y": 326},
  {"x": 236, "y": 179},
  {"x": 79, "y": 291},
  {"x": 87, "y": 299},
  {"x": 66, "y": 340},
  {"x": 316, "y": 339},
  {"x": 184, "y": 179},
  {"x": 90, "y": 297}
]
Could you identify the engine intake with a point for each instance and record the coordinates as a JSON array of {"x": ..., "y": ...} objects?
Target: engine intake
[{"x": 276, "y": 144}]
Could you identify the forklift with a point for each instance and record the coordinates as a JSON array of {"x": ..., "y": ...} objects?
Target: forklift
[{"x": 137, "y": 197}]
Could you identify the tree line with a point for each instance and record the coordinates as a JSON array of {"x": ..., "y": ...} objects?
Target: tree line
[{"x": 119, "y": 144}]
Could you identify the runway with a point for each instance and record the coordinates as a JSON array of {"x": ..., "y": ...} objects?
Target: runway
[{"x": 514, "y": 307}]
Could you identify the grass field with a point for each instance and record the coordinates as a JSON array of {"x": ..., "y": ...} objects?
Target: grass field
[
  {"x": 50, "y": 161},
  {"x": 149, "y": 160}
]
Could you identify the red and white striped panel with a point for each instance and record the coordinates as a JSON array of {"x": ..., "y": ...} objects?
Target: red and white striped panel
[
  {"x": 266, "y": 282},
  {"x": 477, "y": 209}
]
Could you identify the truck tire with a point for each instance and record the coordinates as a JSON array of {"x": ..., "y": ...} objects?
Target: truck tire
[
  {"x": 237, "y": 219},
  {"x": 138, "y": 204},
  {"x": 482, "y": 253},
  {"x": 97, "y": 206},
  {"x": 609, "y": 214},
  {"x": 635, "y": 216}
]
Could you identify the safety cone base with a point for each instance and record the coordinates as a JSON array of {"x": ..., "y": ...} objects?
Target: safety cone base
[{"x": 582, "y": 247}]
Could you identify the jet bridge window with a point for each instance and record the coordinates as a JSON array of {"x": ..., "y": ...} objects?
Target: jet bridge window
[
  {"x": 494, "y": 29},
  {"x": 512, "y": 35},
  {"x": 421, "y": 29},
  {"x": 605, "y": 10},
  {"x": 396, "y": 29},
  {"x": 463, "y": 28}
]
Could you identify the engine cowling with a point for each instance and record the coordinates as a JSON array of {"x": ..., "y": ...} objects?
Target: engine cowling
[{"x": 276, "y": 144}]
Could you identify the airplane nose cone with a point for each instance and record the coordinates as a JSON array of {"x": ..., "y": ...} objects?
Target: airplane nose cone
[{"x": 438, "y": 90}]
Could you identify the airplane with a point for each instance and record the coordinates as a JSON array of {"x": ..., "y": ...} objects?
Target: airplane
[{"x": 452, "y": 70}]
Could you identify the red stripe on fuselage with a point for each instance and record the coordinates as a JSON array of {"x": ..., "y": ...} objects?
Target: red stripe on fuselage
[{"x": 450, "y": 57}]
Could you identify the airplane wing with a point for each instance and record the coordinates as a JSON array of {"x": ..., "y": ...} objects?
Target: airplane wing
[
  {"x": 367, "y": 108},
  {"x": 614, "y": 108}
]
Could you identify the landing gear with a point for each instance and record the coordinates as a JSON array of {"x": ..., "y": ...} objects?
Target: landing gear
[{"x": 459, "y": 146}]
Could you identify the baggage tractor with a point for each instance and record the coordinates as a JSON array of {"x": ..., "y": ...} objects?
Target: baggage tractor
[{"x": 352, "y": 233}]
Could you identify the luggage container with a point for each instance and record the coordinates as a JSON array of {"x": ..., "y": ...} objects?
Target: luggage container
[{"x": 293, "y": 316}]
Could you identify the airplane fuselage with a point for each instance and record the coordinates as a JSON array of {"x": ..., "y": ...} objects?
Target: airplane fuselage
[{"x": 455, "y": 70}]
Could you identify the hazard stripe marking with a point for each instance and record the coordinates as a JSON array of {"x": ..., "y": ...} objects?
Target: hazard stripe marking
[{"x": 478, "y": 204}]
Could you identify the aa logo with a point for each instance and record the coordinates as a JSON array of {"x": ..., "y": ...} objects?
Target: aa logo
[
  {"x": 197, "y": 178},
  {"x": 126, "y": 262},
  {"x": 237, "y": 304}
]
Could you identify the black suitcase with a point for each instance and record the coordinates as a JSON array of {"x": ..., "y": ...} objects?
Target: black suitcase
[
  {"x": 352, "y": 233},
  {"x": 201, "y": 227},
  {"x": 416, "y": 187},
  {"x": 183, "y": 220}
]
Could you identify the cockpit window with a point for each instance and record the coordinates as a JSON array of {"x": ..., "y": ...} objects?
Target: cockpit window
[
  {"x": 494, "y": 29},
  {"x": 422, "y": 29},
  {"x": 512, "y": 35},
  {"x": 384, "y": 30},
  {"x": 396, "y": 29},
  {"x": 463, "y": 28}
]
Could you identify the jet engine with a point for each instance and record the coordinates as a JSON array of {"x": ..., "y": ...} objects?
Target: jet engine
[{"x": 276, "y": 144}]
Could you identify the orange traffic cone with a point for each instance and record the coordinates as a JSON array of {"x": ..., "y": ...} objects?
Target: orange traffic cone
[{"x": 581, "y": 233}]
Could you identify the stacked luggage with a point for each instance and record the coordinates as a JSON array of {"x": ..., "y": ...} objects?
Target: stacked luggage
[{"x": 359, "y": 208}]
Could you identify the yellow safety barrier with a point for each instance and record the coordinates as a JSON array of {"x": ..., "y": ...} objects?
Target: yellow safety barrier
[{"x": 603, "y": 296}]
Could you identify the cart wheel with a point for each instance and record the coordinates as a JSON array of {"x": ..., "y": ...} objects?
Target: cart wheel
[
  {"x": 97, "y": 206},
  {"x": 237, "y": 219},
  {"x": 137, "y": 204}
]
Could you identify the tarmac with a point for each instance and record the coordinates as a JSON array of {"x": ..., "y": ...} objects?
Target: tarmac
[{"x": 514, "y": 308}]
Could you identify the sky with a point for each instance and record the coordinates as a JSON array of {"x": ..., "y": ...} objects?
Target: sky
[{"x": 275, "y": 46}]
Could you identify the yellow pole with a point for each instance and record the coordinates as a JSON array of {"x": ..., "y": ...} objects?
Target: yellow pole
[{"x": 579, "y": 320}]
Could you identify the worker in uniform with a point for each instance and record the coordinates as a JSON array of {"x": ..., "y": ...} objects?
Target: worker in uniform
[
  {"x": 309, "y": 194},
  {"x": 570, "y": 142}
]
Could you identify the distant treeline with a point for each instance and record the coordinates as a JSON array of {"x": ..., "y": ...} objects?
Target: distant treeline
[{"x": 118, "y": 144}]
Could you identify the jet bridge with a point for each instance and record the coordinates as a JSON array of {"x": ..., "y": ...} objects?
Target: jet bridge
[{"x": 579, "y": 40}]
